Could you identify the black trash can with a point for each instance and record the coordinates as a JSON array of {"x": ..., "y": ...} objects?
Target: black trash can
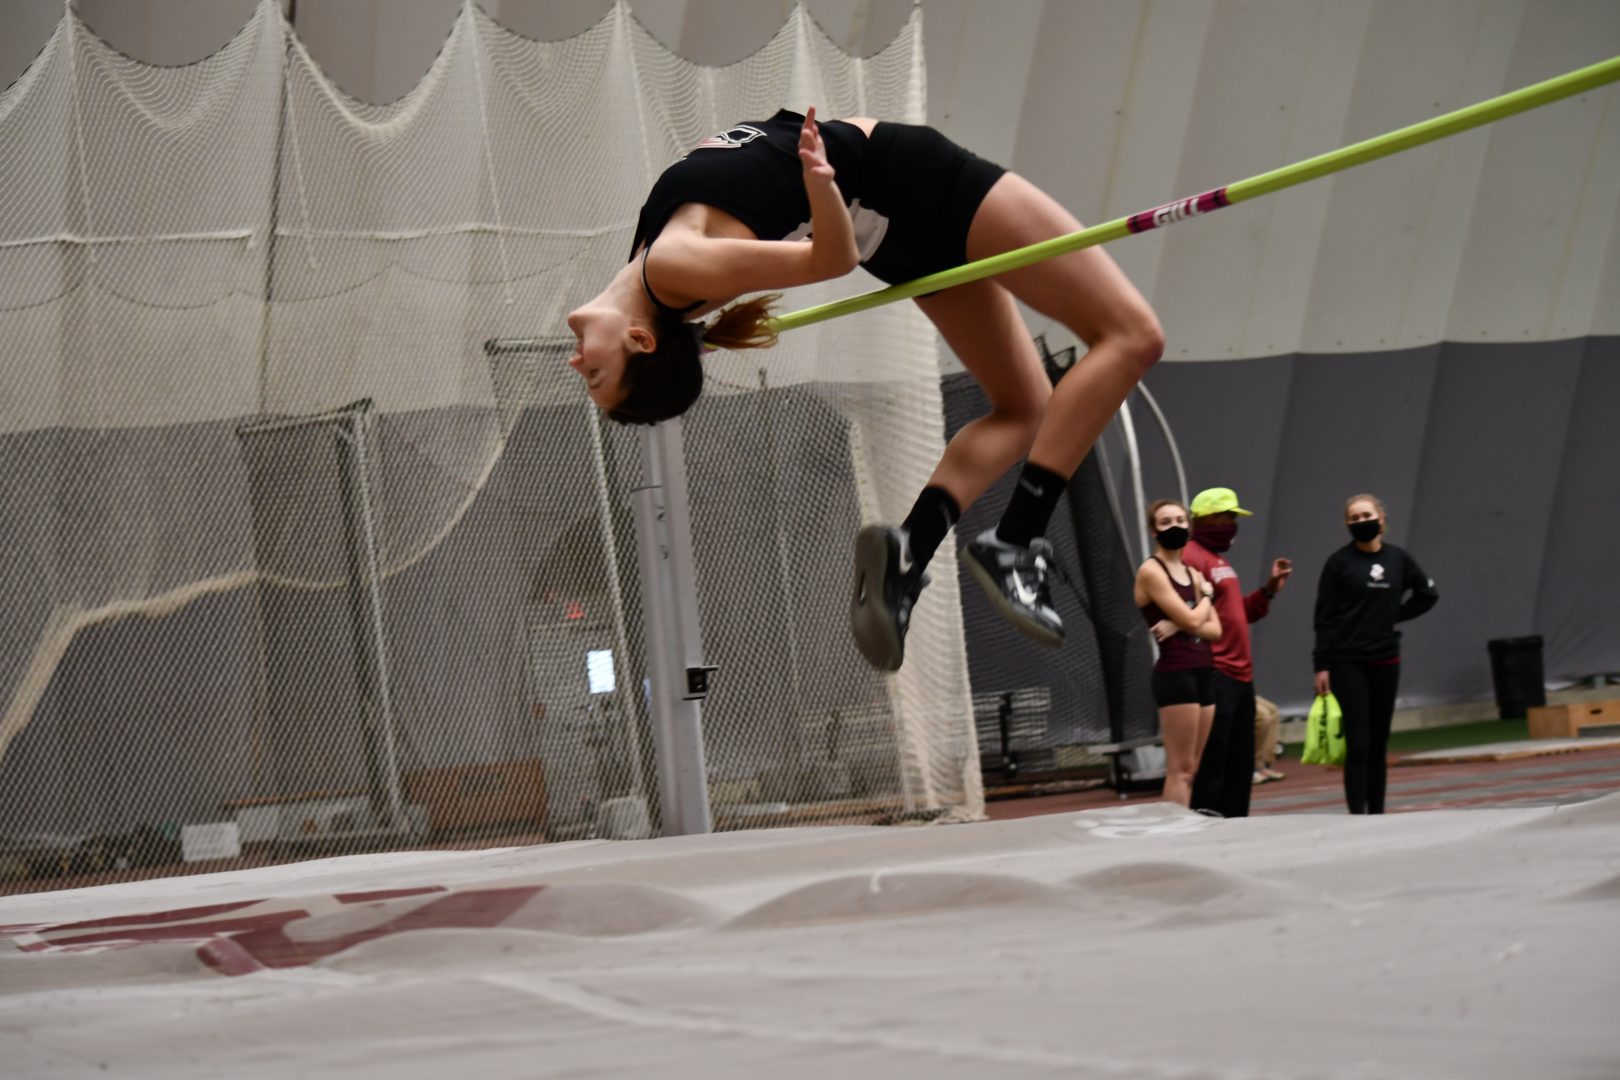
[{"x": 1516, "y": 675}]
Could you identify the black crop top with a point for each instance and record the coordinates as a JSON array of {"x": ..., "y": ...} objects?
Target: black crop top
[{"x": 752, "y": 172}]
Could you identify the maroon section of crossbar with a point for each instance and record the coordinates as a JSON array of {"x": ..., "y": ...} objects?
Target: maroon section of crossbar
[{"x": 1180, "y": 210}]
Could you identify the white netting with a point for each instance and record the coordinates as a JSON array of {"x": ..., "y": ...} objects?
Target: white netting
[{"x": 287, "y": 546}]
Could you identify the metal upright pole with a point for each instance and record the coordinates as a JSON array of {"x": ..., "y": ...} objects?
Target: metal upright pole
[
  {"x": 1169, "y": 439},
  {"x": 351, "y": 429},
  {"x": 1133, "y": 462},
  {"x": 674, "y": 642},
  {"x": 371, "y": 643}
]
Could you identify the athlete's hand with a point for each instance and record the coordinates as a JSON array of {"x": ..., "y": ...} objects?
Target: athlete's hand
[
  {"x": 1322, "y": 687},
  {"x": 833, "y": 252},
  {"x": 812, "y": 151},
  {"x": 1164, "y": 630},
  {"x": 1280, "y": 569}
]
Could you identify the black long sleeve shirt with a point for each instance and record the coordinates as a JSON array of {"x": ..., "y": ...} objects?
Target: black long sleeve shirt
[{"x": 1361, "y": 597}]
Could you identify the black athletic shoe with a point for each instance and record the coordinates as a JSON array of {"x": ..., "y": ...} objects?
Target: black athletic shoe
[
  {"x": 1015, "y": 580},
  {"x": 886, "y": 588}
]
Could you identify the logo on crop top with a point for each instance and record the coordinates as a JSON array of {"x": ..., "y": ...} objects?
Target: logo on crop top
[{"x": 731, "y": 138}]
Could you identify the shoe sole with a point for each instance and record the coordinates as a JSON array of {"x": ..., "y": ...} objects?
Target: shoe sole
[
  {"x": 875, "y": 634},
  {"x": 1010, "y": 612}
]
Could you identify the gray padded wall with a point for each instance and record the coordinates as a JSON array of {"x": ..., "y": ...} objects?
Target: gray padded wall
[{"x": 1580, "y": 587}]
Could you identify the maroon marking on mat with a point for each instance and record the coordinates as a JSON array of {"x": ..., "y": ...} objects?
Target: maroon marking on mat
[
  {"x": 385, "y": 894},
  {"x": 173, "y": 915},
  {"x": 241, "y": 954},
  {"x": 191, "y": 931},
  {"x": 225, "y": 956},
  {"x": 1180, "y": 210}
]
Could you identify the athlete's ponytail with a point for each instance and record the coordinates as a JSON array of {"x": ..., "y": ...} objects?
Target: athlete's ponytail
[
  {"x": 667, "y": 381},
  {"x": 744, "y": 325}
]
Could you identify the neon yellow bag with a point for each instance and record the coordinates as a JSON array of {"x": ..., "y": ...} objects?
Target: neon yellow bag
[{"x": 1324, "y": 733}]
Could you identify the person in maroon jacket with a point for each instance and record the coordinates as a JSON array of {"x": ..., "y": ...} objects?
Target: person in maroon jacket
[
  {"x": 1176, "y": 602},
  {"x": 1226, "y": 770}
]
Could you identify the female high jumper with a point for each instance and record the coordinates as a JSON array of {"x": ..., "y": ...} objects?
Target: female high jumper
[{"x": 773, "y": 204}]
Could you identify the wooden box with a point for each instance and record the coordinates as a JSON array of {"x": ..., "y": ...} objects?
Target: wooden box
[
  {"x": 506, "y": 793},
  {"x": 1566, "y": 721}
]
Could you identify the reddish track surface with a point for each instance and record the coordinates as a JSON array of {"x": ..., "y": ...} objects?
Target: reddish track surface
[{"x": 1315, "y": 789}]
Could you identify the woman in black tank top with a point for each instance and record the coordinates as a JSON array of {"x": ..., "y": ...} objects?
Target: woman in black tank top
[
  {"x": 1176, "y": 603},
  {"x": 773, "y": 204}
]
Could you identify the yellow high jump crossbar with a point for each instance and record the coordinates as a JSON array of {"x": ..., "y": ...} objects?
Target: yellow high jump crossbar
[{"x": 1486, "y": 112}]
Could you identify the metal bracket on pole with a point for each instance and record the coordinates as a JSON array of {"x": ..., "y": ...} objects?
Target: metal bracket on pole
[{"x": 679, "y": 676}]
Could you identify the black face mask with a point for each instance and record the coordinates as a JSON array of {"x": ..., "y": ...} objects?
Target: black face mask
[
  {"x": 1216, "y": 537},
  {"x": 1365, "y": 532},
  {"x": 1172, "y": 539}
]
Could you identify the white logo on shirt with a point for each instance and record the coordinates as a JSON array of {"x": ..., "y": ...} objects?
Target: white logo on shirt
[
  {"x": 1377, "y": 571},
  {"x": 731, "y": 138},
  {"x": 1223, "y": 572}
]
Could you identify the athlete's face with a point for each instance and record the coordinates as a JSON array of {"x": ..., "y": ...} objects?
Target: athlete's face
[
  {"x": 1168, "y": 517},
  {"x": 1362, "y": 510},
  {"x": 604, "y": 339}
]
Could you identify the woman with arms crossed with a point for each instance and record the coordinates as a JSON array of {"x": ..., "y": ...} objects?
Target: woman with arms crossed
[
  {"x": 1176, "y": 602},
  {"x": 784, "y": 202},
  {"x": 1362, "y": 594}
]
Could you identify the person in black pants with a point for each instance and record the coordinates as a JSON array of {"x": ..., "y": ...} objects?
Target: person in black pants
[
  {"x": 1367, "y": 587},
  {"x": 1226, "y": 768}
]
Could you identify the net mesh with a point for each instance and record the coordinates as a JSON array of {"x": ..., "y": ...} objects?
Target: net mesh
[
  {"x": 291, "y": 551},
  {"x": 1037, "y": 711}
]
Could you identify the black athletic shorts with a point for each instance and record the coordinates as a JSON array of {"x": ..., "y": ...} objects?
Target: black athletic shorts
[
  {"x": 929, "y": 188},
  {"x": 1190, "y": 687}
]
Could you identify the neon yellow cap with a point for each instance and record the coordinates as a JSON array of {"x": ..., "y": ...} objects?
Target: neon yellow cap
[{"x": 1216, "y": 501}]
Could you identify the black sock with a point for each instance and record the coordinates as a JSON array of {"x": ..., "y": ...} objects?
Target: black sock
[
  {"x": 931, "y": 517},
  {"x": 1033, "y": 501}
]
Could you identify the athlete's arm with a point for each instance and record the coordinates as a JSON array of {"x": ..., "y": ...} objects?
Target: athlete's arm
[
  {"x": 832, "y": 235},
  {"x": 722, "y": 269},
  {"x": 1326, "y": 621},
  {"x": 1155, "y": 583},
  {"x": 1210, "y": 628},
  {"x": 1424, "y": 595}
]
